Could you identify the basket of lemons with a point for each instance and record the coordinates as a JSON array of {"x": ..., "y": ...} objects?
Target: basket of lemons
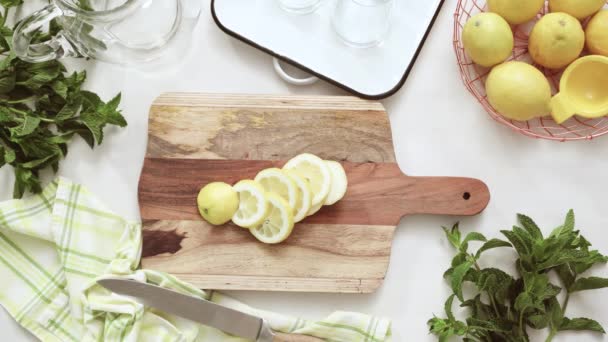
[{"x": 537, "y": 66}]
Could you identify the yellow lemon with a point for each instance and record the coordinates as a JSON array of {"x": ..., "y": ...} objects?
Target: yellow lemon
[
  {"x": 556, "y": 40},
  {"x": 518, "y": 91},
  {"x": 487, "y": 39},
  {"x": 217, "y": 202},
  {"x": 516, "y": 11},
  {"x": 579, "y": 9},
  {"x": 597, "y": 34}
]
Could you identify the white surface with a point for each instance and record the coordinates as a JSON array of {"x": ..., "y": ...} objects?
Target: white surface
[
  {"x": 438, "y": 129},
  {"x": 311, "y": 41}
]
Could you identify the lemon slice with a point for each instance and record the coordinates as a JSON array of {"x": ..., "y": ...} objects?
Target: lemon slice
[
  {"x": 304, "y": 200},
  {"x": 278, "y": 225},
  {"x": 314, "y": 209},
  {"x": 339, "y": 183},
  {"x": 277, "y": 181},
  {"x": 316, "y": 172},
  {"x": 253, "y": 204}
]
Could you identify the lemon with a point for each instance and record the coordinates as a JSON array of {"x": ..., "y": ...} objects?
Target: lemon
[
  {"x": 339, "y": 182},
  {"x": 518, "y": 91},
  {"x": 253, "y": 204},
  {"x": 276, "y": 181},
  {"x": 579, "y": 9},
  {"x": 487, "y": 39},
  {"x": 597, "y": 34},
  {"x": 516, "y": 11},
  {"x": 556, "y": 40},
  {"x": 279, "y": 223},
  {"x": 314, "y": 209},
  {"x": 304, "y": 198},
  {"x": 217, "y": 202},
  {"x": 315, "y": 171}
]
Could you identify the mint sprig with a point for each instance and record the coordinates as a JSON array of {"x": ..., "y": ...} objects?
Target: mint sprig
[
  {"x": 42, "y": 108},
  {"x": 503, "y": 307}
]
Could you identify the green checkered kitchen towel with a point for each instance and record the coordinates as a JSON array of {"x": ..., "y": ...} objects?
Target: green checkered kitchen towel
[{"x": 54, "y": 246}]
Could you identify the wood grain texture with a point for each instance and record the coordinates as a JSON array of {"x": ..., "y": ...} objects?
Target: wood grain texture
[
  {"x": 195, "y": 139},
  {"x": 268, "y": 128}
]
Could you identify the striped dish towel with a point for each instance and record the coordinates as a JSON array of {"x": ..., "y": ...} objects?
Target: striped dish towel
[{"x": 53, "y": 248}]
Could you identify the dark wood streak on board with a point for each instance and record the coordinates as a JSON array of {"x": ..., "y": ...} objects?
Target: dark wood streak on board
[{"x": 161, "y": 241}]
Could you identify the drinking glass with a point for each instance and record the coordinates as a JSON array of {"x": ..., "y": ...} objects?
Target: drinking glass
[
  {"x": 300, "y": 6},
  {"x": 362, "y": 23},
  {"x": 117, "y": 31}
]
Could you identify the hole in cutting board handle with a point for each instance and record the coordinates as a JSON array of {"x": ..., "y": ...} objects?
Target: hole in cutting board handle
[{"x": 466, "y": 196}]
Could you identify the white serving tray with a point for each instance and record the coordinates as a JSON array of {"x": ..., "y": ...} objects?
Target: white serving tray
[{"x": 310, "y": 43}]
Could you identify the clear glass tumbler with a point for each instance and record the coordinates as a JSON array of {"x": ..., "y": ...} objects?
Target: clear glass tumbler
[
  {"x": 118, "y": 31},
  {"x": 300, "y": 6},
  {"x": 363, "y": 23}
]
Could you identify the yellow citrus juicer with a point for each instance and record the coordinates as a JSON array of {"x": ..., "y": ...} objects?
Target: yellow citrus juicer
[{"x": 583, "y": 90}]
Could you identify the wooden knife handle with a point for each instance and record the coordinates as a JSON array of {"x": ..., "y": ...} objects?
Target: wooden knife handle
[{"x": 280, "y": 337}]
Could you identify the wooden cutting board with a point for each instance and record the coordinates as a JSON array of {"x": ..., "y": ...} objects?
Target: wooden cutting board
[{"x": 195, "y": 139}]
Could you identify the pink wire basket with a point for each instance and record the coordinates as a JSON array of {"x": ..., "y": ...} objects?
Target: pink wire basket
[{"x": 474, "y": 77}]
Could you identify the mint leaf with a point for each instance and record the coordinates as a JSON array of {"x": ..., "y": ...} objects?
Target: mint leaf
[
  {"x": 495, "y": 283},
  {"x": 7, "y": 82},
  {"x": 458, "y": 276},
  {"x": 569, "y": 223},
  {"x": 69, "y": 110},
  {"x": 473, "y": 236},
  {"x": 530, "y": 226},
  {"x": 590, "y": 283},
  {"x": 522, "y": 245},
  {"x": 493, "y": 243},
  {"x": 448, "y": 308},
  {"x": 453, "y": 235},
  {"x": 567, "y": 227},
  {"x": 565, "y": 275},
  {"x": 489, "y": 325},
  {"x": 9, "y": 155},
  {"x": 28, "y": 126},
  {"x": 580, "y": 324}
]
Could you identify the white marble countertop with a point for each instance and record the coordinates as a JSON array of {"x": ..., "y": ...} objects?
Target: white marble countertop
[{"x": 438, "y": 129}]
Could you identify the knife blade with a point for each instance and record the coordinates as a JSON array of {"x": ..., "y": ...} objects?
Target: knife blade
[{"x": 199, "y": 310}]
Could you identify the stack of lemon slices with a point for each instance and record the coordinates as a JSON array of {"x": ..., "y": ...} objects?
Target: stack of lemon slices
[{"x": 271, "y": 204}]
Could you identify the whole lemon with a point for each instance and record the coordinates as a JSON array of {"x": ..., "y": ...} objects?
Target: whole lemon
[
  {"x": 516, "y": 11},
  {"x": 556, "y": 40},
  {"x": 579, "y": 9},
  {"x": 487, "y": 39},
  {"x": 597, "y": 34},
  {"x": 217, "y": 202},
  {"x": 518, "y": 91}
]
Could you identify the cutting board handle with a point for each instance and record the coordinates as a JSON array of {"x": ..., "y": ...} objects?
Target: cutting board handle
[
  {"x": 444, "y": 196},
  {"x": 279, "y": 337}
]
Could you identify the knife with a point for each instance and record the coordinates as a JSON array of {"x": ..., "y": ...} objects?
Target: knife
[{"x": 202, "y": 311}]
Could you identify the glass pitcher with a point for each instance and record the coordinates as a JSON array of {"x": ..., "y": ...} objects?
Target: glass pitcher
[{"x": 117, "y": 31}]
